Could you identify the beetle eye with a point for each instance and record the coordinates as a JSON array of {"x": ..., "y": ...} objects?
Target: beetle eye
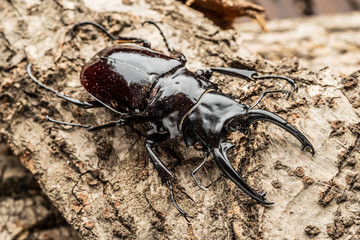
[
  {"x": 229, "y": 135},
  {"x": 198, "y": 146},
  {"x": 233, "y": 126}
]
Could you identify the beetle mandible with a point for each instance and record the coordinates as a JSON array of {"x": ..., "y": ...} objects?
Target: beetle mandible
[{"x": 144, "y": 85}]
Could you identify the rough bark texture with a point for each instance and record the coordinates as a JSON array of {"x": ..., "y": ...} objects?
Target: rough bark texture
[
  {"x": 102, "y": 182},
  {"x": 25, "y": 212}
]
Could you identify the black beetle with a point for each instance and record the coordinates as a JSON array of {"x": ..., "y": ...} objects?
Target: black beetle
[{"x": 143, "y": 85}]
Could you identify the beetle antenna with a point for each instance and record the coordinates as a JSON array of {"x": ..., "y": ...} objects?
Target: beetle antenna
[
  {"x": 170, "y": 49},
  {"x": 266, "y": 92},
  {"x": 181, "y": 57},
  {"x": 290, "y": 80},
  {"x": 76, "y": 26},
  {"x": 118, "y": 39}
]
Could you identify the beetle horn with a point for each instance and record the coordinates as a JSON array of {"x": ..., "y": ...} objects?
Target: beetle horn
[
  {"x": 263, "y": 115},
  {"x": 225, "y": 166}
]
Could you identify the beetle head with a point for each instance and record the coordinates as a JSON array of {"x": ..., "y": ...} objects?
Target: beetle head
[{"x": 208, "y": 124}]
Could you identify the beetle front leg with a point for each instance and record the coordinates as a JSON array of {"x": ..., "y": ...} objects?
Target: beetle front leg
[
  {"x": 242, "y": 73},
  {"x": 267, "y": 92},
  {"x": 165, "y": 174}
]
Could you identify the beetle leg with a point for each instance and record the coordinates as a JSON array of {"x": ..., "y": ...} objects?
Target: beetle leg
[
  {"x": 266, "y": 92},
  {"x": 242, "y": 73},
  {"x": 172, "y": 51},
  {"x": 117, "y": 123},
  {"x": 196, "y": 169},
  {"x": 184, "y": 214},
  {"x": 119, "y": 39},
  {"x": 90, "y": 104},
  {"x": 165, "y": 174}
]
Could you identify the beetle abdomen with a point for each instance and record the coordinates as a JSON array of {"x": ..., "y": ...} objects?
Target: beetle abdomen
[
  {"x": 118, "y": 86},
  {"x": 121, "y": 76}
]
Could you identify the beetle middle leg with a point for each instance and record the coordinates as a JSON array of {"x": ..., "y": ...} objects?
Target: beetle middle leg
[
  {"x": 197, "y": 169},
  {"x": 242, "y": 73},
  {"x": 165, "y": 174}
]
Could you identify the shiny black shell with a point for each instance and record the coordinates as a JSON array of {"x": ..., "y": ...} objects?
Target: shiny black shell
[
  {"x": 121, "y": 76},
  {"x": 130, "y": 79}
]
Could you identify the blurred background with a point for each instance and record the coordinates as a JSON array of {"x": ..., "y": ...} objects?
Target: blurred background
[{"x": 276, "y": 9}]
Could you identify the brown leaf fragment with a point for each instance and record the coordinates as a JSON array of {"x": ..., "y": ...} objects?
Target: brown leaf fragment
[{"x": 223, "y": 12}]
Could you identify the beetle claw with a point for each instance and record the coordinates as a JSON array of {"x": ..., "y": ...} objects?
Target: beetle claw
[
  {"x": 199, "y": 185},
  {"x": 308, "y": 148}
]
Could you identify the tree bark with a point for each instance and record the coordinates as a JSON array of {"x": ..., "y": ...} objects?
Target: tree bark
[{"x": 103, "y": 183}]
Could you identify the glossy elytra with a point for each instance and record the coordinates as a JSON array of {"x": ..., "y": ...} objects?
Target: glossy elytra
[{"x": 144, "y": 85}]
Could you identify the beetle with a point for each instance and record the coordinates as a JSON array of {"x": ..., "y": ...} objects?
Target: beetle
[{"x": 144, "y": 85}]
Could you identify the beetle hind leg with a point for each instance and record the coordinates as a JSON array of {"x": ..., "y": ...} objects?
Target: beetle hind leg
[
  {"x": 117, "y": 123},
  {"x": 90, "y": 104}
]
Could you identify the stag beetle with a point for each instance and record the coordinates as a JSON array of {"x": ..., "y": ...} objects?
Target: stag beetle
[{"x": 144, "y": 85}]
